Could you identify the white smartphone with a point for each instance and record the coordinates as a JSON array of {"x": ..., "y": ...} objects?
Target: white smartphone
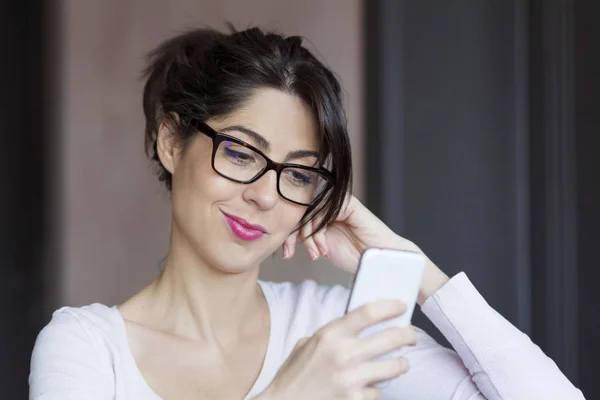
[{"x": 387, "y": 274}]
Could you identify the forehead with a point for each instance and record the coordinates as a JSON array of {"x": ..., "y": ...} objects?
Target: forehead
[{"x": 283, "y": 119}]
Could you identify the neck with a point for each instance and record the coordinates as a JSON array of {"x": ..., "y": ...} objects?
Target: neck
[{"x": 195, "y": 300}]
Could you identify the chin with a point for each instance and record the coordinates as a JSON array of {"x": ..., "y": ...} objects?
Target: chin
[{"x": 233, "y": 258}]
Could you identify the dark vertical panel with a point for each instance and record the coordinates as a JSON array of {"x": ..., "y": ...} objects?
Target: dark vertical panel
[
  {"x": 553, "y": 157},
  {"x": 537, "y": 171},
  {"x": 495, "y": 180},
  {"x": 22, "y": 199},
  {"x": 587, "y": 121},
  {"x": 460, "y": 159},
  {"x": 522, "y": 238},
  {"x": 385, "y": 108},
  {"x": 466, "y": 186}
]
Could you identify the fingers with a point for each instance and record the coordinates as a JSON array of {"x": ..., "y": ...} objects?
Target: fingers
[
  {"x": 289, "y": 246},
  {"x": 309, "y": 241},
  {"x": 384, "y": 342},
  {"x": 367, "y": 394},
  {"x": 378, "y": 371},
  {"x": 315, "y": 243},
  {"x": 369, "y": 314},
  {"x": 302, "y": 342},
  {"x": 371, "y": 394},
  {"x": 321, "y": 242}
]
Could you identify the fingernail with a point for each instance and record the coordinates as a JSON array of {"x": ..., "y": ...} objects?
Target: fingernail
[{"x": 313, "y": 255}]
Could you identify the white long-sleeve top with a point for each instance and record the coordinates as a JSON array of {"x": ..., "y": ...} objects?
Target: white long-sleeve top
[{"x": 83, "y": 353}]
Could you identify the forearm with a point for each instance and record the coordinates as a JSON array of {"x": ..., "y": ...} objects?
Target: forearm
[
  {"x": 433, "y": 280},
  {"x": 501, "y": 360}
]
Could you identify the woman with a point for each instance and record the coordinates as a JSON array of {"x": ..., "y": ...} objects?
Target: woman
[{"x": 247, "y": 131}]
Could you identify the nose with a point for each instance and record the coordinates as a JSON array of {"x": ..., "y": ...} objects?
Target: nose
[{"x": 263, "y": 192}]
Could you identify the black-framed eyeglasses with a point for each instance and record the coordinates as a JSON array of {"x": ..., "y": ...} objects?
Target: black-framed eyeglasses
[{"x": 241, "y": 162}]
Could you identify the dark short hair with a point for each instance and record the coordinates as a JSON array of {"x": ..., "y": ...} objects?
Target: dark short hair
[{"x": 204, "y": 74}]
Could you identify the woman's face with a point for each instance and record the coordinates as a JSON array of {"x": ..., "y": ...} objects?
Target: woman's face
[{"x": 212, "y": 213}]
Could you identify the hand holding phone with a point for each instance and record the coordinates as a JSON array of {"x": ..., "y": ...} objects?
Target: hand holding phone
[
  {"x": 387, "y": 274},
  {"x": 338, "y": 359},
  {"x": 336, "y": 363}
]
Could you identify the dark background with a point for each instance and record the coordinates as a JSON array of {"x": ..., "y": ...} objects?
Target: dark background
[
  {"x": 482, "y": 147},
  {"x": 587, "y": 104},
  {"x": 22, "y": 199},
  {"x": 482, "y": 118}
]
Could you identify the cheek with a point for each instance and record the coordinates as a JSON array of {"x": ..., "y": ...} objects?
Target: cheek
[
  {"x": 202, "y": 184},
  {"x": 288, "y": 217},
  {"x": 196, "y": 188}
]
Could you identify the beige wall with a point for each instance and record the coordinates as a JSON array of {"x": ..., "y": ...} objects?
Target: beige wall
[{"x": 114, "y": 215}]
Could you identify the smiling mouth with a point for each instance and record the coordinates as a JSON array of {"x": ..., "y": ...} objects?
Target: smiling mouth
[{"x": 243, "y": 229}]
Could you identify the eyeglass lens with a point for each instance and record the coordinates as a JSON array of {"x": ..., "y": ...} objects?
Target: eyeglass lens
[{"x": 241, "y": 163}]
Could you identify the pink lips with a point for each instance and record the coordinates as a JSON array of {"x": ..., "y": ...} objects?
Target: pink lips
[{"x": 243, "y": 229}]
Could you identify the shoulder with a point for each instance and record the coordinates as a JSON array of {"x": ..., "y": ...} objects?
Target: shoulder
[
  {"x": 74, "y": 354},
  {"x": 82, "y": 331},
  {"x": 90, "y": 320}
]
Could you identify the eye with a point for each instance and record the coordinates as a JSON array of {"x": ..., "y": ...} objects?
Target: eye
[
  {"x": 238, "y": 154},
  {"x": 298, "y": 177}
]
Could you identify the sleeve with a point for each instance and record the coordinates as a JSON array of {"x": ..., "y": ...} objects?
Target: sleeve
[
  {"x": 66, "y": 363},
  {"x": 493, "y": 359}
]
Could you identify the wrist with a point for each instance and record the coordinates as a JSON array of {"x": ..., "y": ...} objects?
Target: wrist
[{"x": 433, "y": 280}]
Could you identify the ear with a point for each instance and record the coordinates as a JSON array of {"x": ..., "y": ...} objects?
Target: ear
[{"x": 166, "y": 146}]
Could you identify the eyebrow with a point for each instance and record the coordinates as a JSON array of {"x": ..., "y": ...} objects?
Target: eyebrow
[
  {"x": 260, "y": 139},
  {"x": 265, "y": 145}
]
